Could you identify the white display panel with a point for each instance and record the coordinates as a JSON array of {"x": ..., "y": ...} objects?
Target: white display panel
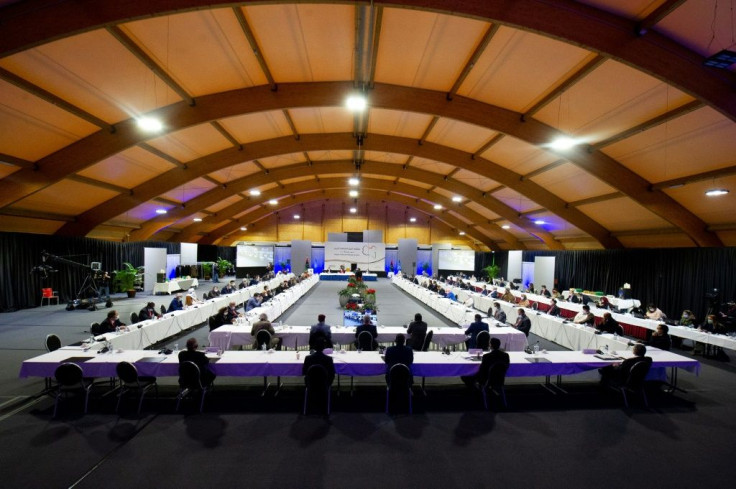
[
  {"x": 253, "y": 256},
  {"x": 368, "y": 256},
  {"x": 462, "y": 260},
  {"x": 189, "y": 253}
]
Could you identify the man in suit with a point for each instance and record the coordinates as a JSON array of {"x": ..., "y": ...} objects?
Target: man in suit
[
  {"x": 229, "y": 288},
  {"x": 264, "y": 324},
  {"x": 554, "y": 310},
  {"x": 473, "y": 330},
  {"x": 490, "y": 358},
  {"x": 543, "y": 291},
  {"x": 494, "y": 293},
  {"x": 610, "y": 325},
  {"x": 319, "y": 358},
  {"x": 399, "y": 353},
  {"x": 200, "y": 359},
  {"x": 371, "y": 328},
  {"x": 321, "y": 329},
  {"x": 417, "y": 331},
  {"x": 661, "y": 338},
  {"x": 619, "y": 372},
  {"x": 497, "y": 313},
  {"x": 148, "y": 312},
  {"x": 176, "y": 304},
  {"x": 585, "y": 317},
  {"x": 232, "y": 313},
  {"x": 253, "y": 302},
  {"x": 523, "y": 323},
  {"x": 111, "y": 323}
]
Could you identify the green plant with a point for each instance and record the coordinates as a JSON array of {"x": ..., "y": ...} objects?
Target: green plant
[
  {"x": 207, "y": 269},
  {"x": 492, "y": 271},
  {"x": 125, "y": 278},
  {"x": 425, "y": 266},
  {"x": 223, "y": 266}
]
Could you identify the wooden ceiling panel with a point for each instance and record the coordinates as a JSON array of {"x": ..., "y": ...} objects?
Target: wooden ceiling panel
[
  {"x": 95, "y": 72},
  {"x": 425, "y": 49},
  {"x": 432, "y": 166},
  {"x": 205, "y": 51},
  {"x": 38, "y": 127},
  {"x": 459, "y": 215},
  {"x": 728, "y": 237},
  {"x": 376, "y": 176},
  {"x": 475, "y": 180},
  {"x": 7, "y": 169},
  {"x": 551, "y": 222},
  {"x": 459, "y": 135},
  {"x": 128, "y": 169},
  {"x": 141, "y": 213},
  {"x": 224, "y": 203},
  {"x": 189, "y": 190},
  {"x": 697, "y": 142},
  {"x": 518, "y": 156},
  {"x": 712, "y": 210},
  {"x": 287, "y": 181},
  {"x": 381, "y": 157},
  {"x": 398, "y": 123},
  {"x": 705, "y": 27},
  {"x": 235, "y": 172},
  {"x": 282, "y": 160},
  {"x": 515, "y": 200},
  {"x": 623, "y": 214},
  {"x": 517, "y": 68},
  {"x": 416, "y": 183},
  {"x": 66, "y": 197},
  {"x": 257, "y": 127},
  {"x": 635, "y": 9},
  {"x": 677, "y": 240},
  {"x": 14, "y": 224},
  {"x": 191, "y": 143},
  {"x": 569, "y": 183},
  {"x": 331, "y": 155},
  {"x": 611, "y": 99},
  {"x": 307, "y": 42},
  {"x": 322, "y": 120}
]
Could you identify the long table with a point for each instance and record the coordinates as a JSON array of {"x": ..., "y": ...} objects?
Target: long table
[
  {"x": 343, "y": 277},
  {"x": 454, "y": 311},
  {"x": 262, "y": 363},
  {"x": 228, "y": 336},
  {"x": 174, "y": 285}
]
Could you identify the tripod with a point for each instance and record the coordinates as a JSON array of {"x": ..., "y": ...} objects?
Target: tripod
[{"x": 89, "y": 285}]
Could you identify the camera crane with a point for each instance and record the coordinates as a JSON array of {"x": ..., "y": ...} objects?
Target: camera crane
[{"x": 89, "y": 284}]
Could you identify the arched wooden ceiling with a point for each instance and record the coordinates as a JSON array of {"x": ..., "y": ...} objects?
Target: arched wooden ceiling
[{"x": 456, "y": 102}]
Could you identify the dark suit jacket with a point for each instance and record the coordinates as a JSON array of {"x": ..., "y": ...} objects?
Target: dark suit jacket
[
  {"x": 108, "y": 326},
  {"x": 319, "y": 358},
  {"x": 473, "y": 331},
  {"x": 611, "y": 327},
  {"x": 371, "y": 329},
  {"x": 398, "y": 354},
  {"x": 524, "y": 324},
  {"x": 201, "y": 360},
  {"x": 500, "y": 316},
  {"x": 662, "y": 342},
  {"x": 418, "y": 331},
  {"x": 554, "y": 311},
  {"x": 489, "y": 359},
  {"x": 175, "y": 305},
  {"x": 251, "y": 304},
  {"x": 146, "y": 314}
]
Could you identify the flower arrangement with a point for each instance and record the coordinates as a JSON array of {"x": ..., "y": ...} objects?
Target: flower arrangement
[{"x": 357, "y": 296}]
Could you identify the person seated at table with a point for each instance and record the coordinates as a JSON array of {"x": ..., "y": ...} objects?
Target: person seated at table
[
  {"x": 254, "y": 280},
  {"x": 219, "y": 319},
  {"x": 578, "y": 297},
  {"x": 367, "y": 325},
  {"x": 618, "y": 372},
  {"x": 176, "y": 304},
  {"x": 472, "y": 332},
  {"x": 191, "y": 354},
  {"x": 451, "y": 295},
  {"x": 231, "y": 314},
  {"x": 148, "y": 312},
  {"x": 229, "y": 288},
  {"x": 610, "y": 325},
  {"x": 545, "y": 292},
  {"x": 266, "y": 294},
  {"x": 524, "y": 302},
  {"x": 264, "y": 324},
  {"x": 253, "y": 302},
  {"x": 556, "y": 294},
  {"x": 508, "y": 296},
  {"x": 494, "y": 293},
  {"x": 661, "y": 338},
  {"x": 523, "y": 323},
  {"x": 112, "y": 322},
  {"x": 495, "y": 355},
  {"x": 215, "y": 292},
  {"x": 318, "y": 357},
  {"x": 191, "y": 298},
  {"x": 484, "y": 292},
  {"x": 687, "y": 318},
  {"x": 320, "y": 330},
  {"x": 342, "y": 268},
  {"x": 398, "y": 353},
  {"x": 244, "y": 283},
  {"x": 530, "y": 288},
  {"x": 553, "y": 310},
  {"x": 604, "y": 303},
  {"x": 417, "y": 331},
  {"x": 497, "y": 313},
  {"x": 584, "y": 317},
  {"x": 654, "y": 313}
]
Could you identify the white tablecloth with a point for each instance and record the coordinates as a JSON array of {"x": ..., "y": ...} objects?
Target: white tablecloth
[{"x": 174, "y": 285}]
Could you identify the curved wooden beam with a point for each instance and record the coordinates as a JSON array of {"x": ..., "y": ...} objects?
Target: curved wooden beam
[
  {"x": 35, "y": 22},
  {"x": 220, "y": 193},
  {"x": 452, "y": 223},
  {"x": 99, "y": 145}
]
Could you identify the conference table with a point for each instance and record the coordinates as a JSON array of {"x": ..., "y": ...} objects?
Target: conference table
[
  {"x": 352, "y": 363},
  {"x": 228, "y": 336},
  {"x": 174, "y": 285},
  {"x": 343, "y": 277},
  {"x": 454, "y": 311},
  {"x": 146, "y": 333}
]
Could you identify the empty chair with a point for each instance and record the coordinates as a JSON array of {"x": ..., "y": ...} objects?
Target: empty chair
[
  {"x": 427, "y": 340},
  {"x": 263, "y": 337},
  {"x": 483, "y": 340},
  {"x": 69, "y": 378},
  {"x": 365, "y": 341},
  {"x": 317, "y": 382},
  {"x": 47, "y": 294},
  {"x": 399, "y": 381},
  {"x": 53, "y": 343},
  {"x": 190, "y": 381},
  {"x": 495, "y": 382},
  {"x": 634, "y": 381},
  {"x": 131, "y": 381},
  {"x": 133, "y": 317}
]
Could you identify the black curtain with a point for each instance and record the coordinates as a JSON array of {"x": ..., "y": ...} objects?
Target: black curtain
[{"x": 482, "y": 260}]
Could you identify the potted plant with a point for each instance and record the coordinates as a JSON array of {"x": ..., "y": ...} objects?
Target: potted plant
[
  {"x": 207, "y": 270},
  {"x": 344, "y": 295},
  {"x": 223, "y": 266},
  {"x": 425, "y": 267},
  {"x": 125, "y": 279},
  {"x": 492, "y": 271}
]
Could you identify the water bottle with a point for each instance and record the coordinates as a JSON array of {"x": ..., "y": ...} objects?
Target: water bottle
[
  {"x": 263, "y": 346},
  {"x": 536, "y": 348},
  {"x": 176, "y": 346},
  {"x": 606, "y": 348},
  {"x": 615, "y": 336}
]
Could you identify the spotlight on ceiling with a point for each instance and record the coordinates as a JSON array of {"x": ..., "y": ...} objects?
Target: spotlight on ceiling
[
  {"x": 354, "y": 181},
  {"x": 244, "y": 228},
  {"x": 437, "y": 207},
  {"x": 353, "y": 210},
  {"x": 715, "y": 192},
  {"x": 722, "y": 59},
  {"x": 255, "y": 192},
  {"x": 462, "y": 233},
  {"x": 505, "y": 226},
  {"x": 353, "y": 193},
  {"x": 197, "y": 219},
  {"x": 161, "y": 211},
  {"x": 457, "y": 198},
  {"x": 297, "y": 216},
  {"x": 563, "y": 143},
  {"x": 273, "y": 202},
  {"x": 539, "y": 222},
  {"x": 412, "y": 219},
  {"x": 356, "y": 103},
  {"x": 149, "y": 124}
]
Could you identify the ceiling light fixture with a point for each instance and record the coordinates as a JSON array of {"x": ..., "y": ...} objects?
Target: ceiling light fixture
[
  {"x": 722, "y": 59},
  {"x": 462, "y": 233},
  {"x": 715, "y": 192},
  {"x": 353, "y": 210},
  {"x": 354, "y": 181},
  {"x": 273, "y": 202},
  {"x": 457, "y": 198},
  {"x": 505, "y": 226},
  {"x": 539, "y": 222},
  {"x": 244, "y": 228},
  {"x": 563, "y": 143},
  {"x": 161, "y": 211},
  {"x": 412, "y": 219},
  {"x": 197, "y": 219},
  {"x": 353, "y": 193},
  {"x": 149, "y": 124},
  {"x": 356, "y": 103},
  {"x": 297, "y": 216},
  {"x": 437, "y": 207},
  {"x": 255, "y": 193}
]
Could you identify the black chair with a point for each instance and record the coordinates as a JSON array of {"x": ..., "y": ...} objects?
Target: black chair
[
  {"x": 131, "y": 381},
  {"x": 399, "y": 379},
  {"x": 483, "y": 340},
  {"x": 365, "y": 341},
  {"x": 206, "y": 296},
  {"x": 212, "y": 323},
  {"x": 495, "y": 382},
  {"x": 427, "y": 340},
  {"x": 95, "y": 329},
  {"x": 69, "y": 378},
  {"x": 317, "y": 382},
  {"x": 53, "y": 343},
  {"x": 313, "y": 340},
  {"x": 133, "y": 317},
  {"x": 163, "y": 309},
  {"x": 263, "y": 337},
  {"x": 190, "y": 381},
  {"x": 634, "y": 382}
]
